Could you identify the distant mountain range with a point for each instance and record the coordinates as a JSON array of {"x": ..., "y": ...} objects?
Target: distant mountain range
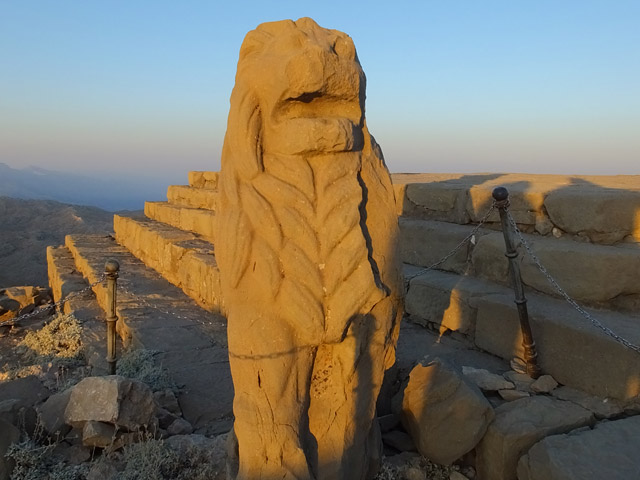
[{"x": 41, "y": 184}]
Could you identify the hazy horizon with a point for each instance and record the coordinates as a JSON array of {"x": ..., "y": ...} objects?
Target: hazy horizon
[{"x": 141, "y": 90}]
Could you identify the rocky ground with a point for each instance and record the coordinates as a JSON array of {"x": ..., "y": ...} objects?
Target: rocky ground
[
  {"x": 59, "y": 422},
  {"x": 445, "y": 411}
]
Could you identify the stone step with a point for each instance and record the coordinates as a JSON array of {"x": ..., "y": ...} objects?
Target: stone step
[
  {"x": 199, "y": 179},
  {"x": 571, "y": 456},
  {"x": 156, "y": 315},
  {"x": 65, "y": 281},
  {"x": 600, "y": 209},
  {"x": 188, "y": 196},
  {"x": 570, "y": 348},
  {"x": 181, "y": 257},
  {"x": 195, "y": 220},
  {"x": 604, "y": 276}
]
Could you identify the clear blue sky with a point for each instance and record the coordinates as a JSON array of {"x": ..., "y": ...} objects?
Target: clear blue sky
[{"x": 133, "y": 87}]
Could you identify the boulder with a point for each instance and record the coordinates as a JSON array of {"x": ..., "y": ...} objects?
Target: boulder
[
  {"x": 113, "y": 399},
  {"x": 609, "y": 451},
  {"x": 520, "y": 424},
  {"x": 445, "y": 415}
]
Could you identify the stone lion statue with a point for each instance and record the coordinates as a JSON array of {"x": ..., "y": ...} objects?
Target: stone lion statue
[{"x": 306, "y": 246}]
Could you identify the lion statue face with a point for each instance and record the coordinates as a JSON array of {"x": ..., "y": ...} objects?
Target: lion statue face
[{"x": 308, "y": 86}]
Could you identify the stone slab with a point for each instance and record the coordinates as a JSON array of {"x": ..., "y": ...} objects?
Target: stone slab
[
  {"x": 196, "y": 220},
  {"x": 156, "y": 315},
  {"x": 179, "y": 256},
  {"x": 447, "y": 300},
  {"x": 64, "y": 279},
  {"x": 602, "y": 209},
  {"x": 570, "y": 348},
  {"x": 517, "y": 426},
  {"x": 609, "y": 451},
  {"x": 424, "y": 242},
  {"x": 188, "y": 196}
]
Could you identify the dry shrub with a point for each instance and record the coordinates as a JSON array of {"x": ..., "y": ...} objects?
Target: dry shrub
[{"x": 58, "y": 339}]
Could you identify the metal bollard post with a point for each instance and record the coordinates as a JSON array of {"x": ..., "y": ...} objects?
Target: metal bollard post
[
  {"x": 501, "y": 196},
  {"x": 111, "y": 269}
]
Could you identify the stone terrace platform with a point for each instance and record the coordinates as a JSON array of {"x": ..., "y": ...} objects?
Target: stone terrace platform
[{"x": 585, "y": 230}]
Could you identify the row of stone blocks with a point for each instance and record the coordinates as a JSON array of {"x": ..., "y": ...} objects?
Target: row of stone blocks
[
  {"x": 470, "y": 297},
  {"x": 603, "y": 276}
]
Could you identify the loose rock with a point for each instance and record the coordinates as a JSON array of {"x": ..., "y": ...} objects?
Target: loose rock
[
  {"x": 126, "y": 403},
  {"x": 445, "y": 416},
  {"x": 485, "y": 380},
  {"x": 544, "y": 384}
]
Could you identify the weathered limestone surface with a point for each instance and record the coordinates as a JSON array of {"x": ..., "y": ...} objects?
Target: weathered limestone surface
[
  {"x": 113, "y": 399},
  {"x": 178, "y": 256},
  {"x": 602, "y": 209},
  {"x": 601, "y": 407},
  {"x": 188, "y": 196},
  {"x": 196, "y": 220},
  {"x": 520, "y": 424},
  {"x": 306, "y": 246},
  {"x": 606, "y": 215},
  {"x": 64, "y": 279},
  {"x": 445, "y": 416},
  {"x": 608, "y": 451},
  {"x": 156, "y": 315},
  {"x": 426, "y": 242},
  {"x": 567, "y": 343},
  {"x": 203, "y": 179},
  {"x": 447, "y": 300}
]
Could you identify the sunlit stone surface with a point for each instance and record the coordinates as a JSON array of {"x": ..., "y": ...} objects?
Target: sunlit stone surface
[{"x": 306, "y": 246}]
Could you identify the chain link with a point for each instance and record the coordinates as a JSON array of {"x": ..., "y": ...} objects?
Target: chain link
[
  {"x": 51, "y": 306},
  {"x": 466, "y": 239},
  {"x": 564, "y": 294}
]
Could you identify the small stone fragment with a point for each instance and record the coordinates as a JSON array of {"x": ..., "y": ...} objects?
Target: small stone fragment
[
  {"x": 98, "y": 434},
  {"x": 180, "y": 427},
  {"x": 522, "y": 381},
  {"x": 544, "y": 384},
  {"x": 511, "y": 395},
  {"x": 485, "y": 380},
  {"x": 167, "y": 399}
]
